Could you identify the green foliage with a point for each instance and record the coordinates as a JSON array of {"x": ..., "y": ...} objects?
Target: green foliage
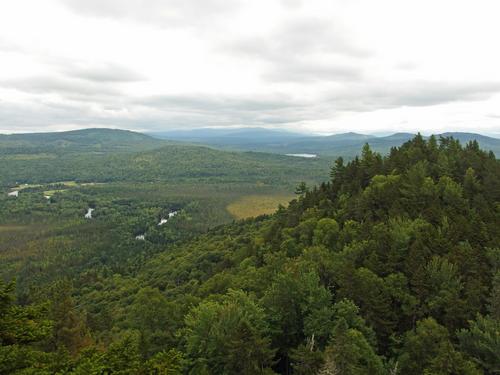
[
  {"x": 482, "y": 342},
  {"x": 306, "y": 360},
  {"x": 155, "y": 318},
  {"x": 297, "y": 307},
  {"x": 326, "y": 233},
  {"x": 164, "y": 163},
  {"x": 350, "y": 353},
  {"x": 89, "y": 140},
  {"x": 391, "y": 267},
  {"x": 20, "y": 327},
  {"x": 70, "y": 332},
  {"x": 228, "y": 337},
  {"x": 428, "y": 350},
  {"x": 349, "y": 312},
  {"x": 123, "y": 356},
  {"x": 170, "y": 362}
]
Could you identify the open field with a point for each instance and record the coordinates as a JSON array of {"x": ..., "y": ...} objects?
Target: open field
[
  {"x": 255, "y": 205},
  {"x": 11, "y": 228},
  {"x": 25, "y": 157}
]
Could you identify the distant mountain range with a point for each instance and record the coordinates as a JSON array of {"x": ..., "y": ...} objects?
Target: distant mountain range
[
  {"x": 104, "y": 141},
  {"x": 246, "y": 137},
  {"x": 283, "y": 142}
]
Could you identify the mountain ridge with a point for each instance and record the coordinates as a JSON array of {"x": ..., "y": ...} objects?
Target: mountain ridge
[
  {"x": 105, "y": 140},
  {"x": 91, "y": 139},
  {"x": 342, "y": 144}
]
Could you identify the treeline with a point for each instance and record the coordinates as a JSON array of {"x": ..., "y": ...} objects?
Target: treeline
[
  {"x": 391, "y": 267},
  {"x": 77, "y": 141},
  {"x": 181, "y": 163}
]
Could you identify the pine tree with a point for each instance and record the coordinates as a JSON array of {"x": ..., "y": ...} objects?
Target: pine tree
[{"x": 70, "y": 329}]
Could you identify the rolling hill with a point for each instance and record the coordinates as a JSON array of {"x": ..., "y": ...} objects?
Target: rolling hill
[
  {"x": 346, "y": 145},
  {"x": 391, "y": 267},
  {"x": 85, "y": 140},
  {"x": 104, "y": 155}
]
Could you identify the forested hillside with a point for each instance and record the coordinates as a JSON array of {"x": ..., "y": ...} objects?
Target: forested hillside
[
  {"x": 166, "y": 163},
  {"x": 390, "y": 267},
  {"x": 85, "y": 140}
]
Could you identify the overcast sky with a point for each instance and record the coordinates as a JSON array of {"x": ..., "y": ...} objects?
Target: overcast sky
[{"x": 325, "y": 66}]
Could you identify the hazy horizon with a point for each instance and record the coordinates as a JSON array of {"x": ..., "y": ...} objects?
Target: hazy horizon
[{"x": 292, "y": 131}]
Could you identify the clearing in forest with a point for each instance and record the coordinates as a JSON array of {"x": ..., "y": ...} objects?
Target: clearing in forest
[{"x": 255, "y": 205}]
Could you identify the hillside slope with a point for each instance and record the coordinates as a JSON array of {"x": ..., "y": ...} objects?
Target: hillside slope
[
  {"x": 172, "y": 163},
  {"x": 390, "y": 267},
  {"x": 403, "y": 247},
  {"x": 85, "y": 140}
]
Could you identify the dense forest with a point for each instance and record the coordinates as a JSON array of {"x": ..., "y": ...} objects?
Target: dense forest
[
  {"x": 77, "y": 141},
  {"x": 390, "y": 267},
  {"x": 163, "y": 163}
]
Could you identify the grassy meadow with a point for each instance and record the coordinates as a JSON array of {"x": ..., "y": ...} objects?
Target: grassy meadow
[{"x": 254, "y": 205}]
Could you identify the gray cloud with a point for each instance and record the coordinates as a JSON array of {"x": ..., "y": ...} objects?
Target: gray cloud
[
  {"x": 201, "y": 102},
  {"x": 36, "y": 116},
  {"x": 292, "y": 3},
  {"x": 384, "y": 95},
  {"x": 493, "y": 115},
  {"x": 103, "y": 72},
  {"x": 432, "y": 93},
  {"x": 406, "y": 65},
  {"x": 7, "y": 46},
  {"x": 196, "y": 110},
  {"x": 163, "y": 13},
  {"x": 296, "y": 38},
  {"x": 303, "y": 50},
  {"x": 322, "y": 66},
  {"x": 100, "y": 71},
  {"x": 64, "y": 86},
  {"x": 300, "y": 71},
  {"x": 157, "y": 112}
]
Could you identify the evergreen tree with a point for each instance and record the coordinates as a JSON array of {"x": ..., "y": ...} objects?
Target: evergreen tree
[
  {"x": 70, "y": 329},
  {"x": 228, "y": 337},
  {"x": 428, "y": 350},
  {"x": 482, "y": 342},
  {"x": 349, "y": 353},
  {"x": 20, "y": 328}
]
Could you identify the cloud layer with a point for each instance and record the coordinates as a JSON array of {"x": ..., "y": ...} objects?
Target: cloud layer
[{"x": 311, "y": 66}]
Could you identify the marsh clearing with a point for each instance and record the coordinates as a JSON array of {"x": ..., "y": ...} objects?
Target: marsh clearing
[{"x": 257, "y": 204}]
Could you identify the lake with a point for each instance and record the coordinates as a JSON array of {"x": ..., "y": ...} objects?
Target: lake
[{"x": 303, "y": 155}]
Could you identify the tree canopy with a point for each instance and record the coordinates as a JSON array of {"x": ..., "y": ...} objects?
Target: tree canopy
[{"x": 390, "y": 267}]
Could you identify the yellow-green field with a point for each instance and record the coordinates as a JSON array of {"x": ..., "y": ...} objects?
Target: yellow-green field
[
  {"x": 255, "y": 205},
  {"x": 27, "y": 157},
  {"x": 10, "y": 228},
  {"x": 65, "y": 183},
  {"x": 50, "y": 193}
]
